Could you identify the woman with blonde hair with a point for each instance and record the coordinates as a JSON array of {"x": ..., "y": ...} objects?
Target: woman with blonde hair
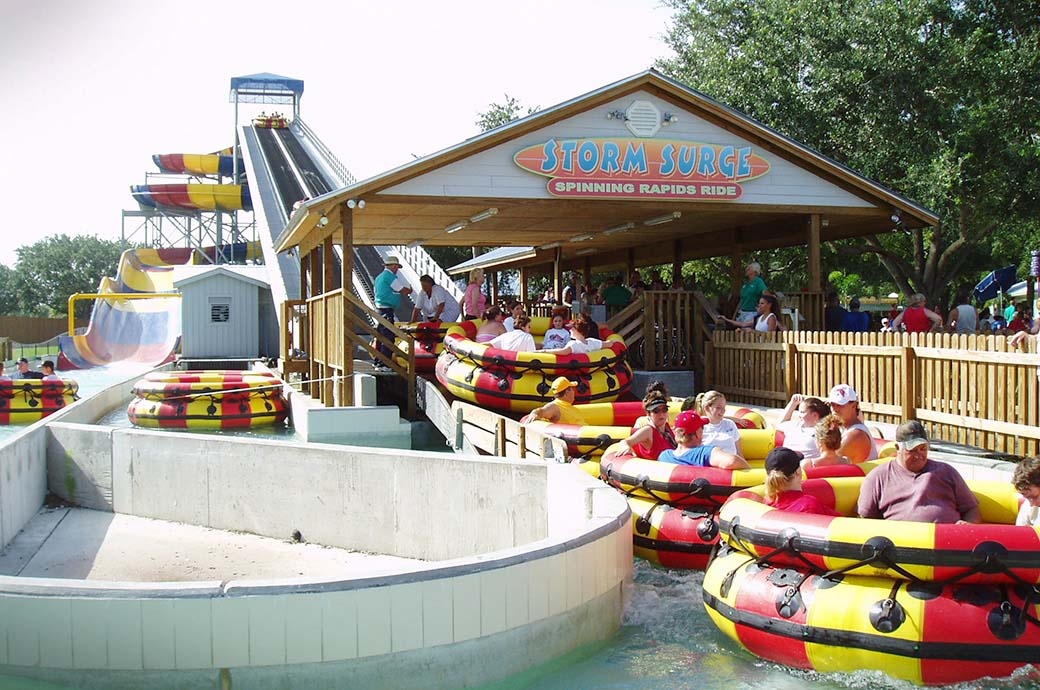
[
  {"x": 828, "y": 439},
  {"x": 784, "y": 485},
  {"x": 474, "y": 301},
  {"x": 719, "y": 432}
]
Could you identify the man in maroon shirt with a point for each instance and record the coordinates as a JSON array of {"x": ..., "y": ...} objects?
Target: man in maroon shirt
[{"x": 912, "y": 487}]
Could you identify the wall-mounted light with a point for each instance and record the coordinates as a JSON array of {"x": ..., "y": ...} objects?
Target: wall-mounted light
[
  {"x": 584, "y": 237},
  {"x": 483, "y": 215},
  {"x": 456, "y": 226},
  {"x": 323, "y": 221},
  {"x": 551, "y": 245},
  {"x": 669, "y": 118},
  {"x": 666, "y": 218},
  {"x": 897, "y": 217},
  {"x": 585, "y": 252},
  {"x": 619, "y": 228},
  {"x": 617, "y": 115},
  {"x": 355, "y": 203}
]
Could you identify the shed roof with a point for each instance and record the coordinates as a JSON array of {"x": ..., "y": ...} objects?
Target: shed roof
[{"x": 188, "y": 275}]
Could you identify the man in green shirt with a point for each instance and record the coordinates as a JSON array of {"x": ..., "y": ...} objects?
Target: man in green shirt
[
  {"x": 616, "y": 296},
  {"x": 750, "y": 292}
]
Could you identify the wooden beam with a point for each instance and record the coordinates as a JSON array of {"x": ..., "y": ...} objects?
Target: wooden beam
[
  {"x": 523, "y": 284},
  {"x": 346, "y": 219},
  {"x": 556, "y": 270},
  {"x": 813, "y": 240}
]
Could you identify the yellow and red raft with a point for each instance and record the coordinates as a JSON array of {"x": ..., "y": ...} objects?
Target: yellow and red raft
[
  {"x": 928, "y": 603},
  {"x": 24, "y": 401},
  {"x": 208, "y": 400}
]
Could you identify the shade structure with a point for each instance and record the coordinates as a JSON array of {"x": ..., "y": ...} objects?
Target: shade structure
[{"x": 996, "y": 282}]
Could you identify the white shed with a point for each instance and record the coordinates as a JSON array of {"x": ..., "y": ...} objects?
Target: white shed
[{"x": 220, "y": 311}]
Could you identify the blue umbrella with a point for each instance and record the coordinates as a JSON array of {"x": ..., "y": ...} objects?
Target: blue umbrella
[{"x": 996, "y": 282}]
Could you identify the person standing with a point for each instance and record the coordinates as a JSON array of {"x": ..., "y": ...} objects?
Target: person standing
[
  {"x": 389, "y": 288},
  {"x": 433, "y": 302},
  {"x": 750, "y": 292},
  {"x": 917, "y": 318},
  {"x": 616, "y": 296},
  {"x": 855, "y": 321},
  {"x": 474, "y": 302},
  {"x": 964, "y": 318},
  {"x": 833, "y": 313}
]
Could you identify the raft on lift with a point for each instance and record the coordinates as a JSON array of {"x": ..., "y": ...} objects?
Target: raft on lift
[
  {"x": 519, "y": 381},
  {"x": 928, "y": 603},
  {"x": 208, "y": 400}
]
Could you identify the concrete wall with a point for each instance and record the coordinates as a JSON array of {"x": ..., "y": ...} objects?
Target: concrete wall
[
  {"x": 23, "y": 480},
  {"x": 412, "y": 504}
]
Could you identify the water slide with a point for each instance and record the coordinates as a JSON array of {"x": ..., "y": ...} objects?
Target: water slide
[
  {"x": 136, "y": 330},
  {"x": 201, "y": 164},
  {"x": 193, "y": 196}
]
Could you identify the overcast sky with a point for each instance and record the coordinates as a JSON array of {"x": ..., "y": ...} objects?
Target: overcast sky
[{"x": 93, "y": 89}]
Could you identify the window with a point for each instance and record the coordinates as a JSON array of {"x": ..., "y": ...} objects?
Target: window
[{"x": 219, "y": 310}]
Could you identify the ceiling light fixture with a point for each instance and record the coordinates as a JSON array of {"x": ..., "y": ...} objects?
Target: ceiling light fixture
[
  {"x": 584, "y": 252},
  {"x": 897, "y": 217},
  {"x": 584, "y": 237},
  {"x": 661, "y": 220},
  {"x": 415, "y": 244},
  {"x": 551, "y": 245},
  {"x": 483, "y": 215},
  {"x": 619, "y": 228},
  {"x": 355, "y": 203},
  {"x": 456, "y": 226}
]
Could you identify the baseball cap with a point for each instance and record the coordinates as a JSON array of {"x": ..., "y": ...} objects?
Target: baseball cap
[
  {"x": 784, "y": 460},
  {"x": 842, "y": 394},
  {"x": 561, "y": 384},
  {"x": 23, "y": 360},
  {"x": 689, "y": 421},
  {"x": 911, "y": 434}
]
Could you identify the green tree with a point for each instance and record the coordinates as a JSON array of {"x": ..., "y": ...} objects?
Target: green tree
[
  {"x": 936, "y": 98},
  {"x": 50, "y": 270},
  {"x": 499, "y": 114},
  {"x": 8, "y": 292}
]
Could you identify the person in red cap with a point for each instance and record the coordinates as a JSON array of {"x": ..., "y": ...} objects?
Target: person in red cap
[{"x": 688, "y": 426}]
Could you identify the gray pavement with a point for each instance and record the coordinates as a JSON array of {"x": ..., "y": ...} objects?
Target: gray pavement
[{"x": 77, "y": 543}]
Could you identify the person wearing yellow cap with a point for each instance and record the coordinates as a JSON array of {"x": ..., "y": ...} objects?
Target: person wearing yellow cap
[{"x": 561, "y": 409}]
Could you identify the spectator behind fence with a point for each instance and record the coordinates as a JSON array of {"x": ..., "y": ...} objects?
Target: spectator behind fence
[
  {"x": 963, "y": 318},
  {"x": 833, "y": 313},
  {"x": 750, "y": 292},
  {"x": 917, "y": 318},
  {"x": 854, "y": 320}
]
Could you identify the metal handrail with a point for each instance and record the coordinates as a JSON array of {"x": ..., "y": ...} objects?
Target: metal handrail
[{"x": 346, "y": 178}]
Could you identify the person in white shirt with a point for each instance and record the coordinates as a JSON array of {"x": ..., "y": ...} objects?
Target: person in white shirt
[
  {"x": 515, "y": 310},
  {"x": 434, "y": 303},
  {"x": 719, "y": 431},
  {"x": 580, "y": 342},
  {"x": 557, "y": 336},
  {"x": 802, "y": 414},
  {"x": 1026, "y": 479},
  {"x": 519, "y": 339}
]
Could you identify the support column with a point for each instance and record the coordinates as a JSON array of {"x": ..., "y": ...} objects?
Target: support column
[
  {"x": 346, "y": 219},
  {"x": 328, "y": 279},
  {"x": 736, "y": 272},
  {"x": 557, "y": 279},
  {"x": 815, "y": 272},
  {"x": 523, "y": 284},
  {"x": 677, "y": 262}
]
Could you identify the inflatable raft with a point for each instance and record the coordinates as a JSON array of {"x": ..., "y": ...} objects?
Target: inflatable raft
[
  {"x": 519, "y": 381},
  {"x": 429, "y": 343},
  {"x": 608, "y": 423},
  {"x": 208, "y": 400},
  {"x": 928, "y": 603},
  {"x": 24, "y": 401}
]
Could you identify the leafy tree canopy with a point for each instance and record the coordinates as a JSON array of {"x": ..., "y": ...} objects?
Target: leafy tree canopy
[
  {"x": 50, "y": 270},
  {"x": 499, "y": 114},
  {"x": 936, "y": 98}
]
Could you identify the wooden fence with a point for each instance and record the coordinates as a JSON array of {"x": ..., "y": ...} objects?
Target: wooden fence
[
  {"x": 970, "y": 389},
  {"x": 30, "y": 329}
]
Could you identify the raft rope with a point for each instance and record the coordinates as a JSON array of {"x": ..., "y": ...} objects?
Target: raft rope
[
  {"x": 878, "y": 555},
  {"x": 699, "y": 488},
  {"x": 250, "y": 389}
]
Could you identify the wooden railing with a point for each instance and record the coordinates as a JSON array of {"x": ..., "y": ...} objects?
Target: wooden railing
[
  {"x": 491, "y": 433},
  {"x": 295, "y": 338},
  {"x": 970, "y": 389}
]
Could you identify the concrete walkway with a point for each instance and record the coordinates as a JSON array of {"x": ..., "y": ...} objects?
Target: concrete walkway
[{"x": 88, "y": 544}]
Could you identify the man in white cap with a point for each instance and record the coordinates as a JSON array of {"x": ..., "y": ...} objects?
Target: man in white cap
[
  {"x": 913, "y": 487},
  {"x": 856, "y": 442},
  {"x": 389, "y": 287}
]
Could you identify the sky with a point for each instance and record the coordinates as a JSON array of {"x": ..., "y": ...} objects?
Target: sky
[{"x": 93, "y": 89}]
